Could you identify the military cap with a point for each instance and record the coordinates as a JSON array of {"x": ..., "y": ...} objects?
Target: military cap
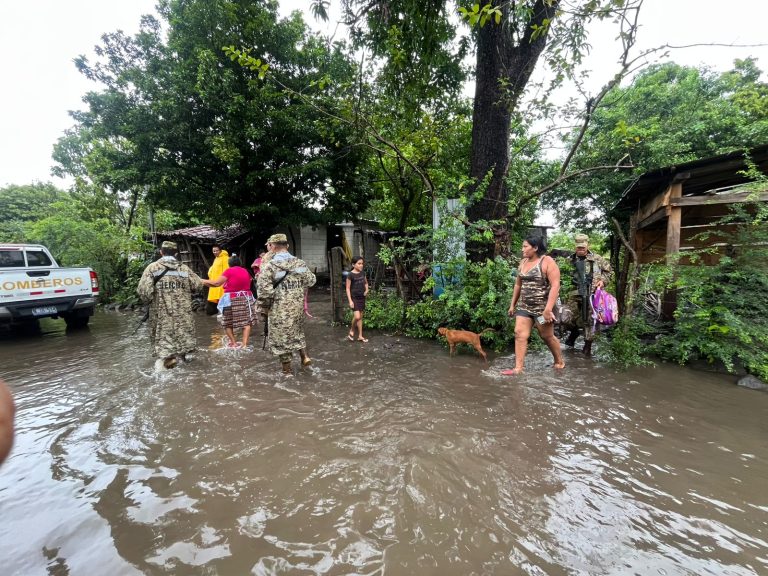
[
  {"x": 277, "y": 239},
  {"x": 582, "y": 240},
  {"x": 167, "y": 244}
]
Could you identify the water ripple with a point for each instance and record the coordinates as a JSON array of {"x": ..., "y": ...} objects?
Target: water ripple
[{"x": 389, "y": 457}]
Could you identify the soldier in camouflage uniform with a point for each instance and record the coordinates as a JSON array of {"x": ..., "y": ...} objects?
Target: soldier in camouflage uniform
[
  {"x": 590, "y": 272},
  {"x": 171, "y": 324},
  {"x": 281, "y": 286}
]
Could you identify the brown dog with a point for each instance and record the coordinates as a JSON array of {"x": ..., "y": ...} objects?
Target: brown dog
[{"x": 463, "y": 337}]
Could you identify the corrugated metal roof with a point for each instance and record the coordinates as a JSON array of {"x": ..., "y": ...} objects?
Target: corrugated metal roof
[
  {"x": 700, "y": 176},
  {"x": 206, "y": 233}
]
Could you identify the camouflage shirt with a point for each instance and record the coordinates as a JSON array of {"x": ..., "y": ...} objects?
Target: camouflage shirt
[
  {"x": 596, "y": 268},
  {"x": 281, "y": 286},
  {"x": 171, "y": 322}
]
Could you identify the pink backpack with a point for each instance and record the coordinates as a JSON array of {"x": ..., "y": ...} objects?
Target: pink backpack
[{"x": 605, "y": 310}]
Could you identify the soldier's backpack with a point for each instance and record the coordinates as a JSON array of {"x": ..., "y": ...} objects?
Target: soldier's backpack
[{"x": 605, "y": 309}]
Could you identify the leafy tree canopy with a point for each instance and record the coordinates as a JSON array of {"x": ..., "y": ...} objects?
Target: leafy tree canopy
[
  {"x": 508, "y": 38},
  {"x": 29, "y": 202},
  {"x": 21, "y": 205},
  {"x": 183, "y": 124},
  {"x": 79, "y": 229},
  {"x": 669, "y": 114}
]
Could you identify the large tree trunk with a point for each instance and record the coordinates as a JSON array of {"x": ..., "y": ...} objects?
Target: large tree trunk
[{"x": 503, "y": 71}]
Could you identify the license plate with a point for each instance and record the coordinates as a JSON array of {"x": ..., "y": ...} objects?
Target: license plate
[{"x": 44, "y": 310}]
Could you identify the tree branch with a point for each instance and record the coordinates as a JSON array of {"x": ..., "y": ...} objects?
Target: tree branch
[
  {"x": 370, "y": 131},
  {"x": 624, "y": 239},
  {"x": 564, "y": 178},
  {"x": 628, "y": 38}
]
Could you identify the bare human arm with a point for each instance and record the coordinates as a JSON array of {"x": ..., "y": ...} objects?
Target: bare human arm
[
  {"x": 515, "y": 295},
  {"x": 553, "y": 277},
  {"x": 220, "y": 281},
  {"x": 349, "y": 294}
]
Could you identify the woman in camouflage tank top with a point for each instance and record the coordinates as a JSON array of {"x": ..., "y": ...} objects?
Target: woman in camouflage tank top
[{"x": 536, "y": 289}]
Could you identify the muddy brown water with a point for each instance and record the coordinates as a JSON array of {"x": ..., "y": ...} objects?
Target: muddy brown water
[{"x": 385, "y": 458}]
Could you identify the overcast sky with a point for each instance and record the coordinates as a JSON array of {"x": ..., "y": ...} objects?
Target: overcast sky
[{"x": 40, "y": 38}]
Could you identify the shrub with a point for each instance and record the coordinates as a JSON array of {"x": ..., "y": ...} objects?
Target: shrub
[
  {"x": 722, "y": 312},
  {"x": 477, "y": 299},
  {"x": 626, "y": 346}
]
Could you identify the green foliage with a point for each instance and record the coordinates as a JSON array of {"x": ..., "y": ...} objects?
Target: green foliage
[
  {"x": 627, "y": 345},
  {"x": 563, "y": 240},
  {"x": 383, "y": 310},
  {"x": 669, "y": 114},
  {"x": 77, "y": 229},
  {"x": 437, "y": 147},
  {"x": 126, "y": 290},
  {"x": 722, "y": 313},
  {"x": 477, "y": 15},
  {"x": 78, "y": 243},
  {"x": 181, "y": 124},
  {"x": 477, "y": 299},
  {"x": 418, "y": 52},
  {"x": 22, "y": 205}
]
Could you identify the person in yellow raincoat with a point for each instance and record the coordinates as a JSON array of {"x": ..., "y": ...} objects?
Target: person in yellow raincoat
[{"x": 220, "y": 263}]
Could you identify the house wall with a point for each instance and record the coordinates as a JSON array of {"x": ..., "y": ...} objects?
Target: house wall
[
  {"x": 349, "y": 233},
  {"x": 311, "y": 244},
  {"x": 313, "y": 247}
]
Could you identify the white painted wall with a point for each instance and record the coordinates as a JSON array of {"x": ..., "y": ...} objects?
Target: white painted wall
[{"x": 313, "y": 248}]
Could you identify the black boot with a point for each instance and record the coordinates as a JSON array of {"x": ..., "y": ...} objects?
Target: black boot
[
  {"x": 588, "y": 348},
  {"x": 571, "y": 340}
]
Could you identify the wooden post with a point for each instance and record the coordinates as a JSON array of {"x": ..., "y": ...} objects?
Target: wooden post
[{"x": 674, "y": 220}]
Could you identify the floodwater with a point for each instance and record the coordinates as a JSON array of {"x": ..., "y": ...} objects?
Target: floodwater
[{"x": 385, "y": 458}]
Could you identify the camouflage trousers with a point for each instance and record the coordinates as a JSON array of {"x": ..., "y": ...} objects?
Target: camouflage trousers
[
  {"x": 575, "y": 304},
  {"x": 286, "y": 328}
]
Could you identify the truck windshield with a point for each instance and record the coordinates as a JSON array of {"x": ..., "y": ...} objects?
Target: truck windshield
[
  {"x": 11, "y": 259},
  {"x": 37, "y": 258}
]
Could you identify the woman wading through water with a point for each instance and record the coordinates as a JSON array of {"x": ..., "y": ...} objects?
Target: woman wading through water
[{"x": 536, "y": 290}]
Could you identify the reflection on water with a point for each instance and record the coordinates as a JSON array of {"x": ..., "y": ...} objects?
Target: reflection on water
[{"x": 383, "y": 458}]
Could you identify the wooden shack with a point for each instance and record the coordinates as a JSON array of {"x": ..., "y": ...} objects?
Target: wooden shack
[
  {"x": 195, "y": 244},
  {"x": 311, "y": 243},
  {"x": 671, "y": 207}
]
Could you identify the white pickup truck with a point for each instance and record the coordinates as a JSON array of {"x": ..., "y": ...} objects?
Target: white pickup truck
[{"x": 33, "y": 286}]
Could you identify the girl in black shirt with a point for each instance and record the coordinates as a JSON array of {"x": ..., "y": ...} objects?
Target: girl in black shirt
[{"x": 357, "y": 290}]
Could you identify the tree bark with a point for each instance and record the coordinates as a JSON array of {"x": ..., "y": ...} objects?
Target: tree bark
[{"x": 503, "y": 70}]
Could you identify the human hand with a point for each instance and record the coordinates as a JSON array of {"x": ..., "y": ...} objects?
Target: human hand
[
  {"x": 7, "y": 411},
  {"x": 351, "y": 304},
  {"x": 549, "y": 316},
  {"x": 599, "y": 285}
]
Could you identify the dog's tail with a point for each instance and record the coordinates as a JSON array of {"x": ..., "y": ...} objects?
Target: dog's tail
[{"x": 487, "y": 330}]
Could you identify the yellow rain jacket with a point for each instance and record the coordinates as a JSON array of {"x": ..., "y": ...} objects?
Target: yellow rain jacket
[{"x": 220, "y": 264}]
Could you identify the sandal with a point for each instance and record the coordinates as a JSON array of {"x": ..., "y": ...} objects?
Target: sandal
[
  {"x": 351, "y": 337},
  {"x": 362, "y": 339}
]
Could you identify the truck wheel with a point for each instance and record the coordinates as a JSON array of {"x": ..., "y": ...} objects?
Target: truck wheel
[
  {"x": 28, "y": 327},
  {"x": 75, "y": 322}
]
